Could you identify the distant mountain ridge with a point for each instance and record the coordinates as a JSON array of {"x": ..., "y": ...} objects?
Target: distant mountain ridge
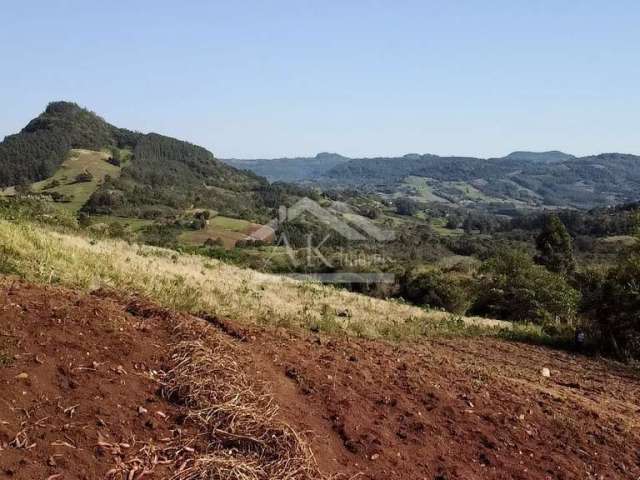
[
  {"x": 296, "y": 169},
  {"x": 550, "y": 178},
  {"x": 540, "y": 157}
]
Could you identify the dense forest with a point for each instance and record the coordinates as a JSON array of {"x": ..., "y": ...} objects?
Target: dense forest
[{"x": 166, "y": 174}]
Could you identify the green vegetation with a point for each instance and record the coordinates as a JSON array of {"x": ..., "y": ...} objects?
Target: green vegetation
[
  {"x": 228, "y": 231},
  {"x": 475, "y": 249},
  {"x": 77, "y": 178},
  {"x": 195, "y": 283},
  {"x": 433, "y": 288},
  {"x": 40, "y": 148},
  {"x": 555, "y": 247},
  {"x": 562, "y": 181},
  {"x": 616, "y": 315},
  {"x": 512, "y": 287},
  {"x": 150, "y": 175}
]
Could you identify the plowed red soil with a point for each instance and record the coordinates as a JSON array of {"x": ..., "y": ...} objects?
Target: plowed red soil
[
  {"x": 445, "y": 409},
  {"x": 86, "y": 365}
]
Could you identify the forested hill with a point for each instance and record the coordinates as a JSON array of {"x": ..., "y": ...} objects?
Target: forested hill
[
  {"x": 553, "y": 179},
  {"x": 542, "y": 179},
  {"x": 159, "y": 171},
  {"x": 39, "y": 149}
]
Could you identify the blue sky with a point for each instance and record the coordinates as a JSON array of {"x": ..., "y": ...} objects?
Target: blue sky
[{"x": 282, "y": 78}]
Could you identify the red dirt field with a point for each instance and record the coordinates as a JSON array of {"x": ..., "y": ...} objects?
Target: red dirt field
[
  {"x": 444, "y": 409},
  {"x": 88, "y": 365}
]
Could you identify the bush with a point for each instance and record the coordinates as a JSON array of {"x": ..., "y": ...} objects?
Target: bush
[
  {"x": 116, "y": 230},
  {"x": 58, "y": 197},
  {"x": 84, "y": 220},
  {"x": 512, "y": 287},
  {"x": 51, "y": 184},
  {"x": 210, "y": 242},
  {"x": 84, "y": 177},
  {"x": 37, "y": 210},
  {"x": 435, "y": 289},
  {"x": 616, "y": 313}
]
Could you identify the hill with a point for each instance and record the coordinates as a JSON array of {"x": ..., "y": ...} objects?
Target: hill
[
  {"x": 531, "y": 179},
  {"x": 539, "y": 157},
  {"x": 541, "y": 180},
  {"x": 158, "y": 173},
  {"x": 291, "y": 169}
]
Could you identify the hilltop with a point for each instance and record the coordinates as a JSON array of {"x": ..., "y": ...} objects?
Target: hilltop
[{"x": 154, "y": 172}]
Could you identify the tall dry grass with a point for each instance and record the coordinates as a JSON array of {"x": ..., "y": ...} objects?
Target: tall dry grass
[{"x": 195, "y": 284}]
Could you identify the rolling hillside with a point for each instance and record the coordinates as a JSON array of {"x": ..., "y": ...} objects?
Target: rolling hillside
[
  {"x": 158, "y": 173},
  {"x": 561, "y": 181},
  {"x": 535, "y": 179}
]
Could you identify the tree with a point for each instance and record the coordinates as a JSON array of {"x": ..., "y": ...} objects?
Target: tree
[
  {"x": 433, "y": 288},
  {"x": 616, "y": 310},
  {"x": 467, "y": 225},
  {"x": 116, "y": 157},
  {"x": 617, "y": 314},
  {"x": 406, "y": 207},
  {"x": 555, "y": 247},
  {"x": 512, "y": 287}
]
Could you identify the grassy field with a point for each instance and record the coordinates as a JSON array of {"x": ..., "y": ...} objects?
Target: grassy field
[
  {"x": 193, "y": 283},
  {"x": 77, "y": 162},
  {"x": 422, "y": 189},
  {"x": 439, "y": 226},
  {"x": 130, "y": 223},
  {"x": 228, "y": 230}
]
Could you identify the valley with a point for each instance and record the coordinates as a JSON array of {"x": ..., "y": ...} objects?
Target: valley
[{"x": 463, "y": 363}]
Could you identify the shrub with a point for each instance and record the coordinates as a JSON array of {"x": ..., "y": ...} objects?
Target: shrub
[
  {"x": 512, "y": 287},
  {"x": 51, "y": 184},
  {"x": 37, "y": 210},
  {"x": 116, "y": 230},
  {"x": 84, "y": 220},
  {"x": 83, "y": 177},
  {"x": 435, "y": 289},
  {"x": 616, "y": 313},
  {"x": 58, "y": 197},
  {"x": 210, "y": 242}
]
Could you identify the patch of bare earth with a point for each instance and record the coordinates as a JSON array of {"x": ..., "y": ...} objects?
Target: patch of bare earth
[
  {"x": 116, "y": 385},
  {"x": 456, "y": 409},
  {"x": 95, "y": 387}
]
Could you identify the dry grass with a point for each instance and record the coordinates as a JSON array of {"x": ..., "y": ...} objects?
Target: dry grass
[
  {"x": 244, "y": 440},
  {"x": 195, "y": 284}
]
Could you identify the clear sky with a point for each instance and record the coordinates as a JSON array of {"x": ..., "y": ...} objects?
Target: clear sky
[{"x": 362, "y": 78}]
